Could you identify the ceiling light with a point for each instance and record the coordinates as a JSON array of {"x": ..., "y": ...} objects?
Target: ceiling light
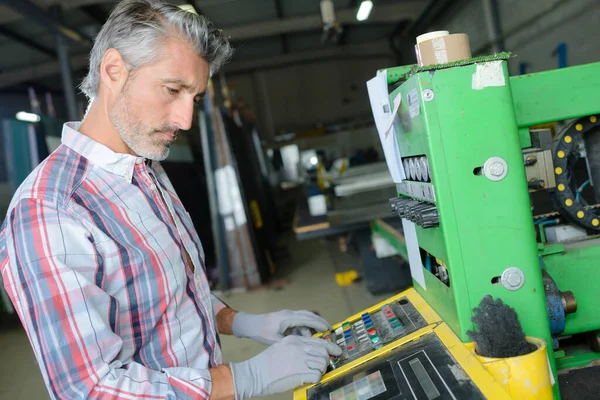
[
  {"x": 189, "y": 8},
  {"x": 27, "y": 117},
  {"x": 364, "y": 10}
]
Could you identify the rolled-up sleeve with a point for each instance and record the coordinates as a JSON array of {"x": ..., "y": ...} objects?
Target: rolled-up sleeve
[{"x": 51, "y": 268}]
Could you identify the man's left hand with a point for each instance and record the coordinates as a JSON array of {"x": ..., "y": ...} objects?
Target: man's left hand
[{"x": 269, "y": 328}]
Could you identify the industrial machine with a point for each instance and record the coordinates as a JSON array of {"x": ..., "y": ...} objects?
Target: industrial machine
[{"x": 500, "y": 196}]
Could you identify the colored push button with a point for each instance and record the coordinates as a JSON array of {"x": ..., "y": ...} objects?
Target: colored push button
[
  {"x": 369, "y": 325},
  {"x": 375, "y": 338},
  {"x": 372, "y": 331}
]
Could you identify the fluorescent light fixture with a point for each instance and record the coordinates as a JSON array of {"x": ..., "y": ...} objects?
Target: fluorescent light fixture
[
  {"x": 189, "y": 8},
  {"x": 27, "y": 117},
  {"x": 364, "y": 10}
]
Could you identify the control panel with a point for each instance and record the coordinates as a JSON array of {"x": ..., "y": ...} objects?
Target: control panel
[
  {"x": 421, "y": 369},
  {"x": 374, "y": 330}
]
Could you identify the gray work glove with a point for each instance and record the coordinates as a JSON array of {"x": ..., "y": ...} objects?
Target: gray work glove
[
  {"x": 292, "y": 362},
  {"x": 269, "y": 328}
]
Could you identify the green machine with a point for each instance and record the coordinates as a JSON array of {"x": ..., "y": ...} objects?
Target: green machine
[{"x": 500, "y": 196}]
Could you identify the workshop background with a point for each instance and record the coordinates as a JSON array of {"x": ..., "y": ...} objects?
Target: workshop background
[{"x": 296, "y": 115}]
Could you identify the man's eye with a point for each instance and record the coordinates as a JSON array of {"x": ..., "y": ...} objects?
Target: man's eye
[{"x": 172, "y": 91}]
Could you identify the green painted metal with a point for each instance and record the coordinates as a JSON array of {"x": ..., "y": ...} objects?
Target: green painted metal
[
  {"x": 556, "y": 95},
  {"x": 576, "y": 269},
  {"x": 396, "y": 74},
  {"x": 458, "y": 130},
  {"x": 576, "y": 359},
  {"x": 524, "y": 138},
  {"x": 485, "y": 226},
  {"x": 395, "y": 239}
]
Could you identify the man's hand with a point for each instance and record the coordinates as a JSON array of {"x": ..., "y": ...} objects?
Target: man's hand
[
  {"x": 292, "y": 362},
  {"x": 269, "y": 328}
]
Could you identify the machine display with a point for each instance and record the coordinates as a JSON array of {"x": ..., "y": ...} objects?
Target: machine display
[
  {"x": 422, "y": 369},
  {"x": 500, "y": 196}
]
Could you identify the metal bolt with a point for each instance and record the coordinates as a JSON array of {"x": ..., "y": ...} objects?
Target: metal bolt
[
  {"x": 497, "y": 169},
  {"x": 514, "y": 279},
  {"x": 428, "y": 95}
]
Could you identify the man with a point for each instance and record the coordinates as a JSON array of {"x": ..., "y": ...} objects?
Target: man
[{"x": 99, "y": 255}]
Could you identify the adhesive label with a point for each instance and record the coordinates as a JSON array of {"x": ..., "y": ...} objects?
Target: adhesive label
[
  {"x": 488, "y": 74},
  {"x": 414, "y": 103}
]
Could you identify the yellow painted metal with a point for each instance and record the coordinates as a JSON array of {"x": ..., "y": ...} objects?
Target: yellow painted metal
[
  {"x": 346, "y": 278},
  {"x": 524, "y": 377},
  {"x": 481, "y": 377}
]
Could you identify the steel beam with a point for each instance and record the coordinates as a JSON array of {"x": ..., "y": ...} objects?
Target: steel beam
[
  {"x": 392, "y": 13},
  {"x": 27, "y": 42},
  {"x": 370, "y": 49},
  {"x": 41, "y": 16},
  {"x": 39, "y": 71},
  {"x": 96, "y": 13}
]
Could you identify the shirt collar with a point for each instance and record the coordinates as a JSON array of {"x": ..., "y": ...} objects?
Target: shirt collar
[{"x": 100, "y": 155}]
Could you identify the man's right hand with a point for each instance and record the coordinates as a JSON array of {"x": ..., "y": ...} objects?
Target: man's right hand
[{"x": 292, "y": 362}]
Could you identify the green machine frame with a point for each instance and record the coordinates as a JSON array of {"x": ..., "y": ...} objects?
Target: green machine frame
[{"x": 460, "y": 118}]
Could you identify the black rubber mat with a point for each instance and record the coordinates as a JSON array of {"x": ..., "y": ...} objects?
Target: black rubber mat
[{"x": 580, "y": 384}]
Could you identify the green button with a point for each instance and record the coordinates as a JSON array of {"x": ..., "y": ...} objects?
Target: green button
[
  {"x": 375, "y": 338},
  {"x": 368, "y": 326}
]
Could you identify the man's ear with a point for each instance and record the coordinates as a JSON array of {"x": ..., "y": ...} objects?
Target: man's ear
[{"x": 113, "y": 71}]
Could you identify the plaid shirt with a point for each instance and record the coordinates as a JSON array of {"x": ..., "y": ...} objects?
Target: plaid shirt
[{"x": 93, "y": 257}]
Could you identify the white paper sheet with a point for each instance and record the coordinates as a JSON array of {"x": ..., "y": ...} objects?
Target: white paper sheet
[
  {"x": 384, "y": 121},
  {"x": 414, "y": 254}
]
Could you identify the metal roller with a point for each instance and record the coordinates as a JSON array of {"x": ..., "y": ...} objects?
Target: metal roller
[
  {"x": 406, "y": 166},
  {"x": 424, "y": 168},
  {"x": 411, "y": 168},
  {"x": 418, "y": 170}
]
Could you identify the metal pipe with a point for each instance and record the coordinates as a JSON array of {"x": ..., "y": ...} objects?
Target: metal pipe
[
  {"x": 67, "y": 77},
  {"x": 66, "y": 74},
  {"x": 494, "y": 27}
]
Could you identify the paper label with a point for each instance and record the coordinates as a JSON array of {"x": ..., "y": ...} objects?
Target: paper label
[
  {"x": 488, "y": 74},
  {"x": 414, "y": 103},
  {"x": 384, "y": 121},
  {"x": 414, "y": 254}
]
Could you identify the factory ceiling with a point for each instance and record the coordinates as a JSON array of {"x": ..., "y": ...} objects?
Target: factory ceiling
[{"x": 265, "y": 33}]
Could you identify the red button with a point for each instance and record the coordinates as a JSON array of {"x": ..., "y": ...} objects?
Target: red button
[
  {"x": 351, "y": 347},
  {"x": 372, "y": 331}
]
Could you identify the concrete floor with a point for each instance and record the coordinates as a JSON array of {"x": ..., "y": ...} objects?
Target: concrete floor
[{"x": 311, "y": 286}]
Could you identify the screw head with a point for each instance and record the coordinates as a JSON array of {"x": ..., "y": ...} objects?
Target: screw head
[
  {"x": 514, "y": 279},
  {"x": 428, "y": 95},
  {"x": 497, "y": 169}
]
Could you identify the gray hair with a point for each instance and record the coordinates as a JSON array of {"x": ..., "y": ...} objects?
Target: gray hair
[{"x": 136, "y": 27}]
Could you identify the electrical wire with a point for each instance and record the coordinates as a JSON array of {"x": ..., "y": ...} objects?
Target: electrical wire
[{"x": 580, "y": 189}]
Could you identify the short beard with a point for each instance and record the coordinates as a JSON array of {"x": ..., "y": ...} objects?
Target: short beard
[{"x": 138, "y": 137}]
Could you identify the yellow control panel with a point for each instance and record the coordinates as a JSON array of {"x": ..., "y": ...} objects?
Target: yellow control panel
[{"x": 401, "y": 349}]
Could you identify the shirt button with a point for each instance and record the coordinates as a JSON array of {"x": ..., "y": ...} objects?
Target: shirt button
[
  {"x": 153, "y": 187},
  {"x": 139, "y": 161}
]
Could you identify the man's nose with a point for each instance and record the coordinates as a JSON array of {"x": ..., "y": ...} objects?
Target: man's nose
[{"x": 184, "y": 114}]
